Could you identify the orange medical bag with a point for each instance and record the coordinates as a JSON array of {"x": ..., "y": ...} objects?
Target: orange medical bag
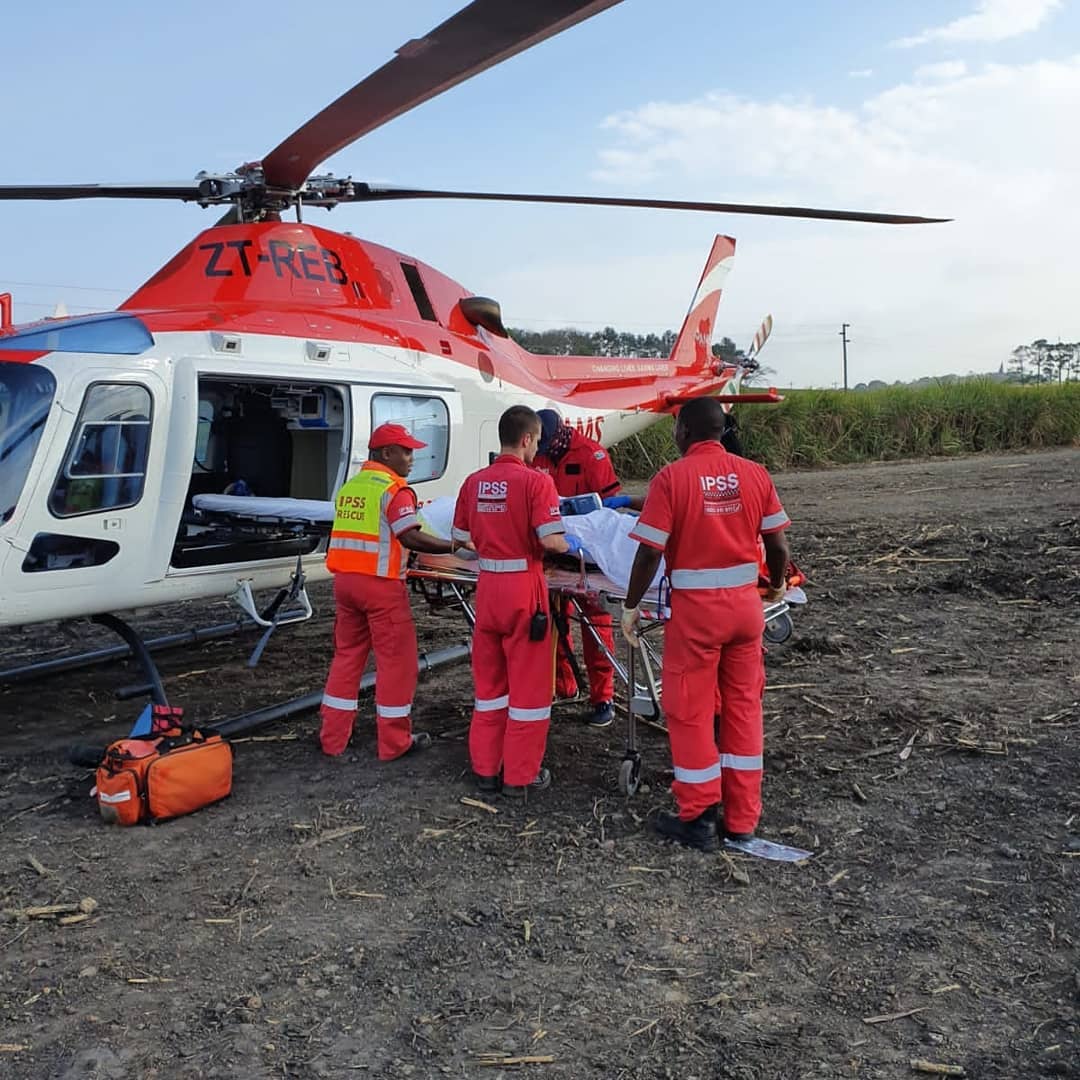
[{"x": 162, "y": 776}]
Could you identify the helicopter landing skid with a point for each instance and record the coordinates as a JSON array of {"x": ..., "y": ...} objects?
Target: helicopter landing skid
[
  {"x": 291, "y": 605},
  {"x": 138, "y": 648}
]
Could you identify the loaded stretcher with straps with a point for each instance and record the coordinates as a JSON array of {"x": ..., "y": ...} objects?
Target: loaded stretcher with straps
[{"x": 448, "y": 581}]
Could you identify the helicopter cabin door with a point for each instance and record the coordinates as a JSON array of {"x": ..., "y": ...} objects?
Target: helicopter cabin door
[{"x": 85, "y": 533}]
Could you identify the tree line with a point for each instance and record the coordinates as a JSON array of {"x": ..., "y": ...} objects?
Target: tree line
[
  {"x": 1045, "y": 361},
  {"x": 566, "y": 341}
]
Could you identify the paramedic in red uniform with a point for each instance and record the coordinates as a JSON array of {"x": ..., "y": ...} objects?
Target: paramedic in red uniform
[
  {"x": 375, "y": 522},
  {"x": 510, "y": 514},
  {"x": 580, "y": 465},
  {"x": 704, "y": 513}
]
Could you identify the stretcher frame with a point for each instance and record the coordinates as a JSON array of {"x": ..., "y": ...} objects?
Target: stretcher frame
[{"x": 448, "y": 581}]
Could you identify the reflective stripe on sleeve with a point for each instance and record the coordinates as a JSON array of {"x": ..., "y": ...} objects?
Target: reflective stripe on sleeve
[
  {"x": 697, "y": 776},
  {"x": 774, "y": 521},
  {"x": 728, "y": 577},
  {"x": 543, "y": 713},
  {"x": 392, "y": 712},
  {"x": 491, "y": 704},
  {"x": 745, "y": 762},
  {"x": 548, "y": 528},
  {"x": 504, "y": 566},
  {"x": 461, "y": 534},
  {"x": 405, "y": 523},
  {"x": 348, "y": 704},
  {"x": 649, "y": 534}
]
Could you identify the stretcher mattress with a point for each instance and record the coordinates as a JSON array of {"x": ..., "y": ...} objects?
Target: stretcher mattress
[{"x": 255, "y": 507}]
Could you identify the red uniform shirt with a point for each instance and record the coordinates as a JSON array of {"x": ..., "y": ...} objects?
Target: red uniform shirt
[
  {"x": 705, "y": 512},
  {"x": 401, "y": 513},
  {"x": 585, "y": 467},
  {"x": 504, "y": 510}
]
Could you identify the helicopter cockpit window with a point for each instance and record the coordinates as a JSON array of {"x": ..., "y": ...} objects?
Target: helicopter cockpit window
[
  {"x": 26, "y": 395},
  {"x": 105, "y": 467},
  {"x": 425, "y": 417},
  {"x": 112, "y": 333}
]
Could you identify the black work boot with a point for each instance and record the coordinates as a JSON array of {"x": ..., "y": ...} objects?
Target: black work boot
[
  {"x": 700, "y": 833},
  {"x": 522, "y": 791},
  {"x": 488, "y": 785},
  {"x": 726, "y": 833}
]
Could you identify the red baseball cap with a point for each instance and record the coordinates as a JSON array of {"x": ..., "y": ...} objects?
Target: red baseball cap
[{"x": 393, "y": 435}]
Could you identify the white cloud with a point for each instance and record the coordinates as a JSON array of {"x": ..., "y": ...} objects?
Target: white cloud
[
  {"x": 947, "y": 69},
  {"x": 992, "y": 20},
  {"x": 987, "y": 147}
]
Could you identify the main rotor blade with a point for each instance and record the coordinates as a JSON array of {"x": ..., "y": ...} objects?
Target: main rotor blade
[
  {"x": 181, "y": 190},
  {"x": 369, "y": 193},
  {"x": 479, "y": 36}
]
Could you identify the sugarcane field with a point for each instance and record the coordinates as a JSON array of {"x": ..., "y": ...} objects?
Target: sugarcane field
[{"x": 343, "y": 916}]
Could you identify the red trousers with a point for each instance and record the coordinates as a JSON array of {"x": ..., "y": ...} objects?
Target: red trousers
[
  {"x": 512, "y": 676},
  {"x": 601, "y": 673},
  {"x": 372, "y": 612},
  {"x": 712, "y": 645}
]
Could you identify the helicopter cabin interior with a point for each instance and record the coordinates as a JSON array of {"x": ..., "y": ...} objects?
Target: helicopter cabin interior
[{"x": 282, "y": 440}]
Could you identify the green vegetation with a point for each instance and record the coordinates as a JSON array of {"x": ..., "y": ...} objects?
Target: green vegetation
[{"x": 830, "y": 427}]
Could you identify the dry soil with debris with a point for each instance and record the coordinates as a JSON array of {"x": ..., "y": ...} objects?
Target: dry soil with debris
[{"x": 346, "y": 918}]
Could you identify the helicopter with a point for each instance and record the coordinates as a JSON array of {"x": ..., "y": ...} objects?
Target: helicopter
[{"x": 259, "y": 358}]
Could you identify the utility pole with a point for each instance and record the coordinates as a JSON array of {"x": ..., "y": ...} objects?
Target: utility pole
[{"x": 844, "y": 339}]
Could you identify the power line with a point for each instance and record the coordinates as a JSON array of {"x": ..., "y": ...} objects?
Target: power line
[{"x": 66, "y": 288}]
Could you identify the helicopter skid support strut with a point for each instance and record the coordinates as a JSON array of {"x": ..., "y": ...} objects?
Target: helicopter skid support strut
[{"x": 278, "y": 612}]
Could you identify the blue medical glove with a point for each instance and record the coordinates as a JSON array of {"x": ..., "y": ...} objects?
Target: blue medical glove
[
  {"x": 617, "y": 502},
  {"x": 573, "y": 545}
]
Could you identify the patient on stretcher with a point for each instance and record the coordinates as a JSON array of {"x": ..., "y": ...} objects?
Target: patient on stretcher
[{"x": 605, "y": 539}]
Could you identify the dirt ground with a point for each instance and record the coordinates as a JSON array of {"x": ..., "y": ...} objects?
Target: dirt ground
[{"x": 923, "y": 739}]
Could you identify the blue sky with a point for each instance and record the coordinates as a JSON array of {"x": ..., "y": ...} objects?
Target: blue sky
[{"x": 820, "y": 104}]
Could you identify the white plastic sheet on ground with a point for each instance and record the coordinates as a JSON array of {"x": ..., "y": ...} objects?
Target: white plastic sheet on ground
[{"x": 605, "y": 535}]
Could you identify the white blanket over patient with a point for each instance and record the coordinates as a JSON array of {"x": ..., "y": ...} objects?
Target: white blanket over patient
[{"x": 605, "y": 535}]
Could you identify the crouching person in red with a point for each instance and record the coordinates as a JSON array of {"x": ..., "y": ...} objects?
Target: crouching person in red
[
  {"x": 579, "y": 465},
  {"x": 375, "y": 522},
  {"x": 510, "y": 515},
  {"x": 704, "y": 514}
]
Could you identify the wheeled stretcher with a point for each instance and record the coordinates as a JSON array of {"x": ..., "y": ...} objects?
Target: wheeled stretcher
[{"x": 448, "y": 581}]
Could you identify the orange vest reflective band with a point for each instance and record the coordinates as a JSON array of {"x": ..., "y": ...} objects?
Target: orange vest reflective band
[{"x": 361, "y": 541}]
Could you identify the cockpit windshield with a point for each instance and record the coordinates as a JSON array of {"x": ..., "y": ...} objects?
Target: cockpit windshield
[
  {"x": 113, "y": 332},
  {"x": 26, "y": 394}
]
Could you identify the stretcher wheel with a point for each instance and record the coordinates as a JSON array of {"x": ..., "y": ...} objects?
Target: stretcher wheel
[
  {"x": 778, "y": 630},
  {"x": 630, "y": 775}
]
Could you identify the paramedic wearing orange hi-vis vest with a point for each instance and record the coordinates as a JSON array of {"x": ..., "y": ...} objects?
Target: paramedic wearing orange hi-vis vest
[
  {"x": 510, "y": 515},
  {"x": 704, "y": 514},
  {"x": 375, "y": 521}
]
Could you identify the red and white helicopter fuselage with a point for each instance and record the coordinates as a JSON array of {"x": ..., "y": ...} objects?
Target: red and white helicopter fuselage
[{"x": 265, "y": 353}]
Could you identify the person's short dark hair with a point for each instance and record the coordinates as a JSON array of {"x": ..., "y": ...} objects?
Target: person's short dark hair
[
  {"x": 517, "y": 421},
  {"x": 703, "y": 418}
]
